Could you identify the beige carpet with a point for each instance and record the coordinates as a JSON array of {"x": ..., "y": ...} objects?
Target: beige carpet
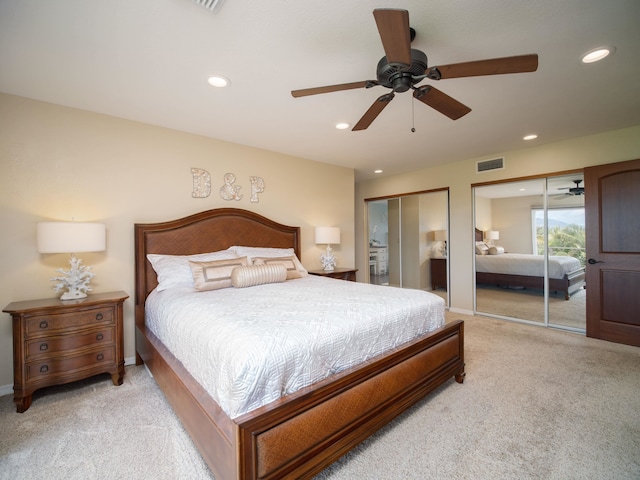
[
  {"x": 536, "y": 403},
  {"x": 528, "y": 304}
]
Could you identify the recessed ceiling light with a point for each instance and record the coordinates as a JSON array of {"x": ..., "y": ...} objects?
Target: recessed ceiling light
[
  {"x": 218, "y": 81},
  {"x": 377, "y": 171},
  {"x": 533, "y": 136},
  {"x": 342, "y": 126},
  {"x": 597, "y": 54}
]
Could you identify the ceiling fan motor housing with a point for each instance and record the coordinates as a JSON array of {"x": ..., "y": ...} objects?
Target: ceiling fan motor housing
[{"x": 400, "y": 80}]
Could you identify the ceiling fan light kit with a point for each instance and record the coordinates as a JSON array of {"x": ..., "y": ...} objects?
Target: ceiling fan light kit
[{"x": 402, "y": 68}]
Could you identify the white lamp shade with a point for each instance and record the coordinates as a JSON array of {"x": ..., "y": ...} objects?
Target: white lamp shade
[
  {"x": 493, "y": 235},
  {"x": 440, "y": 235},
  {"x": 328, "y": 235},
  {"x": 71, "y": 237}
]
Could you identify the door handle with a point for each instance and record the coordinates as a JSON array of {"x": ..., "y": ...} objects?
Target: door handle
[{"x": 593, "y": 261}]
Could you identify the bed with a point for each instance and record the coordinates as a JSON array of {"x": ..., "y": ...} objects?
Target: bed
[
  {"x": 299, "y": 434},
  {"x": 566, "y": 275}
]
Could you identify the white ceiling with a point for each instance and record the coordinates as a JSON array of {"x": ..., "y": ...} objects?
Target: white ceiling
[{"x": 148, "y": 60}]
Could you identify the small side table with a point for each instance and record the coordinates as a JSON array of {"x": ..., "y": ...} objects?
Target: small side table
[
  {"x": 438, "y": 273},
  {"x": 56, "y": 342},
  {"x": 339, "y": 273}
]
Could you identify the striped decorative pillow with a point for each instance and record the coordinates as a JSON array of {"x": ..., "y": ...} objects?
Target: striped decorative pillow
[{"x": 253, "y": 275}]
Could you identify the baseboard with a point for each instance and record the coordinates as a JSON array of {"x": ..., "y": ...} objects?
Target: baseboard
[
  {"x": 461, "y": 311},
  {"x": 6, "y": 390}
]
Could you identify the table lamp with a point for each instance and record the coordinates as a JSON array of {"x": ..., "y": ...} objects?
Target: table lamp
[
  {"x": 73, "y": 238},
  {"x": 329, "y": 236}
]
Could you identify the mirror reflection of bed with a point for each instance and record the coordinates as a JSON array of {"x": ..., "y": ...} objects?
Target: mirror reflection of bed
[{"x": 511, "y": 282}]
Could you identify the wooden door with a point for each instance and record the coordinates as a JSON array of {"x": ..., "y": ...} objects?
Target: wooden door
[{"x": 612, "y": 204}]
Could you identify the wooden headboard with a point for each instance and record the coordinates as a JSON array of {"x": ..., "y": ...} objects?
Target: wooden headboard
[
  {"x": 479, "y": 235},
  {"x": 204, "y": 232}
]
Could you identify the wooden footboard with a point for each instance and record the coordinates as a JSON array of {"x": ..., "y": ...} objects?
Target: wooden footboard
[{"x": 299, "y": 435}]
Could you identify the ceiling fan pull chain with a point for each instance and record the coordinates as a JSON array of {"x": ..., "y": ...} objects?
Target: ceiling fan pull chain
[{"x": 413, "y": 115}]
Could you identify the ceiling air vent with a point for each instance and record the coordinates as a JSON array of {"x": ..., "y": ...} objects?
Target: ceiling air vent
[
  {"x": 488, "y": 165},
  {"x": 210, "y": 4}
]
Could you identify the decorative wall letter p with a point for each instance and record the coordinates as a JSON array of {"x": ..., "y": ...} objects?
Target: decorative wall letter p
[{"x": 257, "y": 186}]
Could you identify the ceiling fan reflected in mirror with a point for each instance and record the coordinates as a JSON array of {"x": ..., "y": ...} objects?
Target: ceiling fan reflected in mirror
[
  {"x": 577, "y": 190},
  {"x": 403, "y": 68}
]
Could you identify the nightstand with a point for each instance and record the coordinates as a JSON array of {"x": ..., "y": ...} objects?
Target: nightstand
[
  {"x": 56, "y": 342},
  {"x": 339, "y": 273},
  {"x": 438, "y": 273}
]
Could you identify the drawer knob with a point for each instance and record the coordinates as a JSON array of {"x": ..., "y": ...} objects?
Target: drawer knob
[
  {"x": 44, "y": 369},
  {"x": 99, "y": 316},
  {"x": 99, "y": 336},
  {"x": 100, "y": 356},
  {"x": 44, "y": 324},
  {"x": 43, "y": 347}
]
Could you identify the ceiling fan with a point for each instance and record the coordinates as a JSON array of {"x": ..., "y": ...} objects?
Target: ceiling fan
[
  {"x": 577, "y": 190},
  {"x": 402, "y": 68}
]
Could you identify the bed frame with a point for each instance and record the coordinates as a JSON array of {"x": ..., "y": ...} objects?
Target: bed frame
[
  {"x": 568, "y": 285},
  {"x": 300, "y": 434}
]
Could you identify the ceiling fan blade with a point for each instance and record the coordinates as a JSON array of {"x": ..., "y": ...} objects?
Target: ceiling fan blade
[
  {"x": 374, "y": 110},
  {"x": 393, "y": 27},
  {"x": 441, "y": 102},
  {"x": 494, "y": 66},
  {"x": 332, "y": 88}
]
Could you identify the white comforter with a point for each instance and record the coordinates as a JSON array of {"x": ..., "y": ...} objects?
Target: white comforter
[
  {"x": 250, "y": 346},
  {"x": 524, "y": 264}
]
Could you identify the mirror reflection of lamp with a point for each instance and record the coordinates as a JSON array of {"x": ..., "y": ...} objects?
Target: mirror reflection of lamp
[
  {"x": 441, "y": 237},
  {"x": 72, "y": 237},
  {"x": 329, "y": 236},
  {"x": 492, "y": 235}
]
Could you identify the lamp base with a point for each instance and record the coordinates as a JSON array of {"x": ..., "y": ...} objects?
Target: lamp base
[
  {"x": 328, "y": 260},
  {"x": 73, "y": 295}
]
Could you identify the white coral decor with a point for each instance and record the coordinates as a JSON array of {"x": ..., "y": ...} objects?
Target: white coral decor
[
  {"x": 75, "y": 280},
  {"x": 328, "y": 259}
]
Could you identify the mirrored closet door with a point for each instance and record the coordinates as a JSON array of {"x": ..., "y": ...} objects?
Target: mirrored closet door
[
  {"x": 407, "y": 241},
  {"x": 530, "y": 248}
]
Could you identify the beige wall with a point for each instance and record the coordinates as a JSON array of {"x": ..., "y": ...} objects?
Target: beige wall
[
  {"x": 58, "y": 163},
  {"x": 572, "y": 154}
]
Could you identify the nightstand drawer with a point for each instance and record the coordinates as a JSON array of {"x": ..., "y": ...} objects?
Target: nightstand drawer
[
  {"x": 42, "y": 324},
  {"x": 50, "y": 345},
  {"x": 69, "y": 365}
]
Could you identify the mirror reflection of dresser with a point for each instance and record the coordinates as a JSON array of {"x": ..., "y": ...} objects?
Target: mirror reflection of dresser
[{"x": 378, "y": 260}]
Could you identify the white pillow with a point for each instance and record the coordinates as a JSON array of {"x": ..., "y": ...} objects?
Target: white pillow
[
  {"x": 173, "y": 270},
  {"x": 268, "y": 252},
  {"x": 496, "y": 250},
  {"x": 252, "y": 275}
]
